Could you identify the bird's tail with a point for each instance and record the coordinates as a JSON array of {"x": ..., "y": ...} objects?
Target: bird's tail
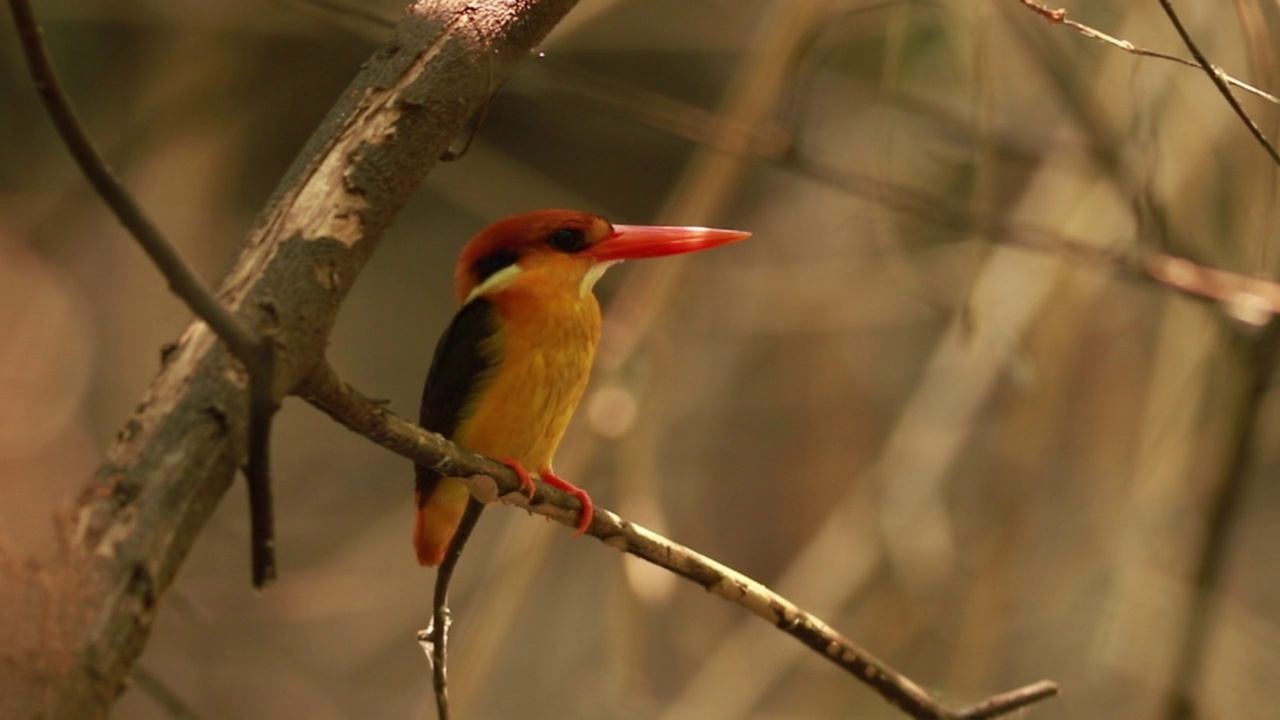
[{"x": 440, "y": 511}]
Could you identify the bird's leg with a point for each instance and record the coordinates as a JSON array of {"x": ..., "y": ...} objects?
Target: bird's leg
[
  {"x": 588, "y": 507},
  {"x": 526, "y": 480}
]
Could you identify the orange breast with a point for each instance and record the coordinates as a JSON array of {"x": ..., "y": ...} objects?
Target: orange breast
[{"x": 547, "y": 343}]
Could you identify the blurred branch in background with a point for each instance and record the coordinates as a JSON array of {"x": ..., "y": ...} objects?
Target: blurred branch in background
[
  {"x": 918, "y": 148},
  {"x": 1255, "y": 367},
  {"x": 1251, "y": 365},
  {"x": 1252, "y": 300},
  {"x": 1254, "y": 347}
]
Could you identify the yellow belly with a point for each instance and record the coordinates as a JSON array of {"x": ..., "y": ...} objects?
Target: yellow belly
[
  {"x": 546, "y": 346},
  {"x": 528, "y": 402}
]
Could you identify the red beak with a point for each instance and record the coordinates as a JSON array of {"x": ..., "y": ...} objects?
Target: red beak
[{"x": 629, "y": 242}]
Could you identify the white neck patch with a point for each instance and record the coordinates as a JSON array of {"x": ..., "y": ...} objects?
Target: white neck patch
[
  {"x": 594, "y": 274},
  {"x": 502, "y": 277}
]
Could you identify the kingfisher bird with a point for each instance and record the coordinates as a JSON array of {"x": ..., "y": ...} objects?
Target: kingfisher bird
[{"x": 511, "y": 367}]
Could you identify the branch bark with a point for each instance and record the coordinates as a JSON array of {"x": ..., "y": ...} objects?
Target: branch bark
[
  {"x": 490, "y": 480},
  {"x": 133, "y": 523}
]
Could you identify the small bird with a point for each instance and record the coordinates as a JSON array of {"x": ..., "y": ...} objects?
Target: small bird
[{"x": 512, "y": 365}]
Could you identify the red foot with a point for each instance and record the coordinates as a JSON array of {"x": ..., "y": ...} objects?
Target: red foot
[
  {"x": 526, "y": 481},
  {"x": 588, "y": 507}
]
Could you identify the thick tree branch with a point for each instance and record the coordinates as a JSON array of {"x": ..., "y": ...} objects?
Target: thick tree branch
[
  {"x": 134, "y": 522},
  {"x": 490, "y": 480}
]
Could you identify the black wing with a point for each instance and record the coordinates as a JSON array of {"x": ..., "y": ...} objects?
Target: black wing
[{"x": 459, "y": 368}]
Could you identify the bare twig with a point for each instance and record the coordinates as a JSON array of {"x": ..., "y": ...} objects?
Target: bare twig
[
  {"x": 257, "y": 471},
  {"x": 1096, "y": 123},
  {"x": 1007, "y": 702},
  {"x": 436, "y": 637},
  {"x": 1059, "y": 16},
  {"x": 1215, "y": 74},
  {"x": 256, "y": 352},
  {"x": 489, "y": 480}
]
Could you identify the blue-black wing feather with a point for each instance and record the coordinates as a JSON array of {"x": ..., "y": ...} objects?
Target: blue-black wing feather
[{"x": 459, "y": 369}]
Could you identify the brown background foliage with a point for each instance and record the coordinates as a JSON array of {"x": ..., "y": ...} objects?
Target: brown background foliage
[{"x": 986, "y": 465}]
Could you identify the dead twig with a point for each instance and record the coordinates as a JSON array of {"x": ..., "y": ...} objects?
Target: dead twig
[
  {"x": 435, "y": 639},
  {"x": 1216, "y": 75},
  {"x": 1058, "y": 16},
  {"x": 490, "y": 480}
]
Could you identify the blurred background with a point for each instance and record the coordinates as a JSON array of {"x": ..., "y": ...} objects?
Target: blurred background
[{"x": 986, "y": 465}]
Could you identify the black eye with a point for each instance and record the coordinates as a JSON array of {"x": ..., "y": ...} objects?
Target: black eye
[
  {"x": 568, "y": 240},
  {"x": 485, "y": 267}
]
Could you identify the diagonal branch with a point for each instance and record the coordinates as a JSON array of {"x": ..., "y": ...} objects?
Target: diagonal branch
[
  {"x": 256, "y": 351},
  {"x": 490, "y": 480}
]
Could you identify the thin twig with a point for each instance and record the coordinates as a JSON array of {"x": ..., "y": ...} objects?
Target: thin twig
[
  {"x": 257, "y": 471},
  {"x": 1059, "y": 16},
  {"x": 1215, "y": 75},
  {"x": 256, "y": 353},
  {"x": 489, "y": 480},
  {"x": 998, "y": 705},
  {"x": 1082, "y": 103},
  {"x": 436, "y": 636}
]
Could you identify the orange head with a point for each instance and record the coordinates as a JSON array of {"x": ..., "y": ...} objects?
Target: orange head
[{"x": 568, "y": 247}]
